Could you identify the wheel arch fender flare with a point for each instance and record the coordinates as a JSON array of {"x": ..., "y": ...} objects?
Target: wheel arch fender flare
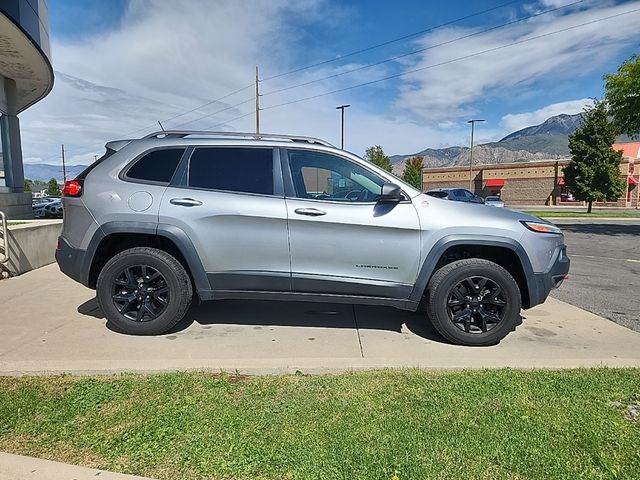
[
  {"x": 441, "y": 246},
  {"x": 176, "y": 235}
]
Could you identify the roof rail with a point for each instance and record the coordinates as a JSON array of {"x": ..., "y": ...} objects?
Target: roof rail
[{"x": 256, "y": 136}]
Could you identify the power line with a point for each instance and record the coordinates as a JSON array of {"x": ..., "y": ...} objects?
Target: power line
[
  {"x": 390, "y": 77},
  {"x": 194, "y": 109},
  {"x": 211, "y": 127},
  {"x": 389, "y": 42},
  {"x": 415, "y": 52},
  {"x": 214, "y": 113}
]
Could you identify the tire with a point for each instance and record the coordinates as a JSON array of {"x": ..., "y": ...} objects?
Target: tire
[
  {"x": 464, "y": 308},
  {"x": 161, "y": 302}
]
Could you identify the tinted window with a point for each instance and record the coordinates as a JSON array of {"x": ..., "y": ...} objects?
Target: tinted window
[
  {"x": 156, "y": 166},
  {"x": 327, "y": 177},
  {"x": 439, "y": 194},
  {"x": 247, "y": 170}
]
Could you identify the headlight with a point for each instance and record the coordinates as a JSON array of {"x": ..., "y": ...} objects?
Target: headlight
[{"x": 542, "y": 227}]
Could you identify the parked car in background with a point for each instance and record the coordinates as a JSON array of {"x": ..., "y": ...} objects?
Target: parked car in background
[
  {"x": 47, "y": 207},
  {"x": 456, "y": 194},
  {"x": 494, "y": 201}
]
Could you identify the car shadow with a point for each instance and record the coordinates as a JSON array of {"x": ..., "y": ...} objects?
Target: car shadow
[{"x": 293, "y": 314}]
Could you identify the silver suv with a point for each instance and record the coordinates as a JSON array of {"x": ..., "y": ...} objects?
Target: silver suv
[{"x": 230, "y": 215}]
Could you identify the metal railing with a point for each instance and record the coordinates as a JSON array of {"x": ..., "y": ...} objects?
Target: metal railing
[
  {"x": 5, "y": 239},
  {"x": 256, "y": 136}
]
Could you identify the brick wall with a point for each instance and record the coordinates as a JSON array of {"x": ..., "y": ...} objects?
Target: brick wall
[{"x": 532, "y": 183}]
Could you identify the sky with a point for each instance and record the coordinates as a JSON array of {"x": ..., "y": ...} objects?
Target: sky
[{"x": 413, "y": 71}]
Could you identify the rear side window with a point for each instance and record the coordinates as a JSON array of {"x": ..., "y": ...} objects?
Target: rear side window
[
  {"x": 157, "y": 165},
  {"x": 244, "y": 170}
]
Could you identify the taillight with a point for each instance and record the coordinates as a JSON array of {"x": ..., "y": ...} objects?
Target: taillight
[{"x": 72, "y": 188}]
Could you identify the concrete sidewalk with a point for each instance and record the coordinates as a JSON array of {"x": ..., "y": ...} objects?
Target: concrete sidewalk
[
  {"x": 50, "y": 324},
  {"x": 17, "y": 467}
]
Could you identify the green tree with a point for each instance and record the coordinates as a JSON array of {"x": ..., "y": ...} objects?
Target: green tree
[
  {"x": 622, "y": 93},
  {"x": 377, "y": 156},
  {"x": 594, "y": 171},
  {"x": 28, "y": 185},
  {"x": 413, "y": 172},
  {"x": 52, "y": 187}
]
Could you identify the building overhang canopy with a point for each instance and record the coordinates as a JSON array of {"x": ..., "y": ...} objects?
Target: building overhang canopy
[
  {"x": 24, "y": 62},
  {"x": 495, "y": 183}
]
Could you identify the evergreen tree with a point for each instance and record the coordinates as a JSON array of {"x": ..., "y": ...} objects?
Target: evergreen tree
[
  {"x": 377, "y": 156},
  {"x": 52, "y": 188},
  {"x": 594, "y": 171},
  {"x": 623, "y": 97},
  {"x": 28, "y": 185},
  {"x": 413, "y": 172}
]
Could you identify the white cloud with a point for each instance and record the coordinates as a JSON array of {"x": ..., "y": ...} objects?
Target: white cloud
[
  {"x": 451, "y": 90},
  {"x": 517, "y": 121}
]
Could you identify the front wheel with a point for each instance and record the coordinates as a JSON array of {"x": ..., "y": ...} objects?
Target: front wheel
[
  {"x": 144, "y": 291},
  {"x": 473, "y": 302}
]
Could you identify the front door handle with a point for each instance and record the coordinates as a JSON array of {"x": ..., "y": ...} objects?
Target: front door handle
[
  {"x": 310, "y": 212},
  {"x": 185, "y": 202}
]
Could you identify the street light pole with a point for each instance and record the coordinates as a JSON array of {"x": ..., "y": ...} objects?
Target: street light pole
[
  {"x": 342, "y": 107},
  {"x": 473, "y": 123}
]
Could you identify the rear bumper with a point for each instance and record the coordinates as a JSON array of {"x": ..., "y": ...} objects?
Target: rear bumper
[
  {"x": 542, "y": 283},
  {"x": 71, "y": 261}
]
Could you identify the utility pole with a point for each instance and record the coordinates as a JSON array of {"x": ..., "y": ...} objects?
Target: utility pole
[
  {"x": 472, "y": 122},
  {"x": 257, "y": 103},
  {"x": 342, "y": 107},
  {"x": 64, "y": 167}
]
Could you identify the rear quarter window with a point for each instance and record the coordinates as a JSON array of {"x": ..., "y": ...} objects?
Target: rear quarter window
[{"x": 156, "y": 166}]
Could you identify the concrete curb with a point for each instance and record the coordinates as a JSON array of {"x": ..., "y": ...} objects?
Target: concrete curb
[
  {"x": 315, "y": 366},
  {"x": 18, "y": 467}
]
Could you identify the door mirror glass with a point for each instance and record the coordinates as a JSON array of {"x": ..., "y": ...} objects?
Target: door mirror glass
[{"x": 391, "y": 193}]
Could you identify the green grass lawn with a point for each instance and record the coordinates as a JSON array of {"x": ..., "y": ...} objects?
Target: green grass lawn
[
  {"x": 492, "y": 424},
  {"x": 583, "y": 214}
]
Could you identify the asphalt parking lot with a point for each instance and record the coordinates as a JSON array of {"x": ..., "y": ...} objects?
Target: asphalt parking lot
[{"x": 605, "y": 268}]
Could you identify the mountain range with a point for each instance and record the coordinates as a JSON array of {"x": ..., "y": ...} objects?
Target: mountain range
[
  {"x": 47, "y": 171},
  {"x": 548, "y": 140}
]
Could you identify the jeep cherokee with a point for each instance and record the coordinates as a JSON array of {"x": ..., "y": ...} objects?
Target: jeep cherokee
[{"x": 247, "y": 216}]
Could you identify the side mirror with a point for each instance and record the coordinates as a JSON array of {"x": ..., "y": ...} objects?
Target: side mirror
[{"x": 391, "y": 193}]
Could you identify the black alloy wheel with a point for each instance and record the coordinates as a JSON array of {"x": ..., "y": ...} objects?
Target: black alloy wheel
[
  {"x": 140, "y": 293},
  {"x": 473, "y": 302},
  {"x": 476, "y": 304},
  {"x": 143, "y": 291}
]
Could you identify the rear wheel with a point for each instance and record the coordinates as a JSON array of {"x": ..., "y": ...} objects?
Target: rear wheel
[
  {"x": 473, "y": 302},
  {"x": 144, "y": 291}
]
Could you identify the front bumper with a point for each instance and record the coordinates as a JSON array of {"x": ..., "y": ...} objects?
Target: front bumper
[
  {"x": 71, "y": 261},
  {"x": 542, "y": 283}
]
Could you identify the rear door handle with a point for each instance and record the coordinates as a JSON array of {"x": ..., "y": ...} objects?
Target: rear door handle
[
  {"x": 185, "y": 202},
  {"x": 310, "y": 212}
]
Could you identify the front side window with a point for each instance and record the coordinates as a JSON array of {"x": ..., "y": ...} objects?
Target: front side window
[
  {"x": 156, "y": 166},
  {"x": 323, "y": 176},
  {"x": 243, "y": 170}
]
